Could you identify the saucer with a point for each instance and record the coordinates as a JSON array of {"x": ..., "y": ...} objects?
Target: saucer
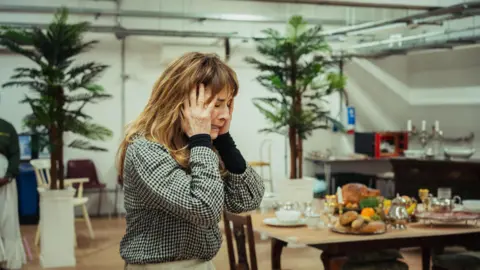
[{"x": 277, "y": 223}]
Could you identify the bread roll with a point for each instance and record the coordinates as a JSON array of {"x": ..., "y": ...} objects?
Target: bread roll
[
  {"x": 341, "y": 228},
  {"x": 373, "y": 227},
  {"x": 357, "y": 223},
  {"x": 348, "y": 217}
]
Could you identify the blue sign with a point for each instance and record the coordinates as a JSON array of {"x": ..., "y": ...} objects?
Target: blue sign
[{"x": 350, "y": 116}]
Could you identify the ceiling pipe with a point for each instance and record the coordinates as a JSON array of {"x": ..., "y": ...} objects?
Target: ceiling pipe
[
  {"x": 163, "y": 15},
  {"x": 457, "y": 9},
  {"x": 121, "y": 32},
  {"x": 436, "y": 44},
  {"x": 413, "y": 37},
  {"x": 449, "y": 45},
  {"x": 362, "y": 4}
]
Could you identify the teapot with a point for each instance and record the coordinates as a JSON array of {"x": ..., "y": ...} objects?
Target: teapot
[
  {"x": 398, "y": 214},
  {"x": 441, "y": 205}
]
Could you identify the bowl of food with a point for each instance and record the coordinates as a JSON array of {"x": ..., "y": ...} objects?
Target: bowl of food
[
  {"x": 288, "y": 216},
  {"x": 353, "y": 223}
]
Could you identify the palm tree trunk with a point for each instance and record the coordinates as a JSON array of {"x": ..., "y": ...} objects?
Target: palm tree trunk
[
  {"x": 300, "y": 156},
  {"x": 293, "y": 152},
  {"x": 52, "y": 133},
  {"x": 295, "y": 103},
  {"x": 61, "y": 120}
]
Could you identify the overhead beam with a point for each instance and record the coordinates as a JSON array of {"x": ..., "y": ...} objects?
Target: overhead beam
[
  {"x": 164, "y": 15},
  {"x": 357, "y": 3},
  {"x": 459, "y": 10}
]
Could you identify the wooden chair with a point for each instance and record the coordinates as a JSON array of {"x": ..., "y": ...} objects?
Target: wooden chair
[
  {"x": 85, "y": 168},
  {"x": 42, "y": 173},
  {"x": 242, "y": 227}
]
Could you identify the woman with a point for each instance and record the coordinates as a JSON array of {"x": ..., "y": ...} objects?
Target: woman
[
  {"x": 12, "y": 254},
  {"x": 181, "y": 168}
]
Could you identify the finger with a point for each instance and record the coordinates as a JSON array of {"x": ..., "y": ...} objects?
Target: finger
[
  {"x": 193, "y": 97},
  {"x": 186, "y": 104},
  {"x": 212, "y": 103},
  {"x": 208, "y": 93},
  {"x": 201, "y": 95}
]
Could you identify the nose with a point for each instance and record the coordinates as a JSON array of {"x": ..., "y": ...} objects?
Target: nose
[{"x": 225, "y": 113}]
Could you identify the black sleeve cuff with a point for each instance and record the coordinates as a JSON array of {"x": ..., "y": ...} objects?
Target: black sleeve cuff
[
  {"x": 224, "y": 141},
  {"x": 200, "y": 140},
  {"x": 231, "y": 156}
]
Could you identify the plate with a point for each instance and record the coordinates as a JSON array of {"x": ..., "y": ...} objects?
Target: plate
[
  {"x": 277, "y": 223},
  {"x": 333, "y": 229}
]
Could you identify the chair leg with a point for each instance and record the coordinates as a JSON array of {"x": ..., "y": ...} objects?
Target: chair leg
[
  {"x": 100, "y": 195},
  {"x": 75, "y": 244},
  {"x": 87, "y": 221},
  {"x": 115, "y": 201},
  {"x": 37, "y": 235}
]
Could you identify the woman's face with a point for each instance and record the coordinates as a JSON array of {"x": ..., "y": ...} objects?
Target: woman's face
[{"x": 221, "y": 113}]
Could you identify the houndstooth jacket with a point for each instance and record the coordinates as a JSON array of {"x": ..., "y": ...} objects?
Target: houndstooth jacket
[{"x": 173, "y": 215}]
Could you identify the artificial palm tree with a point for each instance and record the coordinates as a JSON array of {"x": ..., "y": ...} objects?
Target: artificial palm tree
[
  {"x": 61, "y": 89},
  {"x": 298, "y": 68}
]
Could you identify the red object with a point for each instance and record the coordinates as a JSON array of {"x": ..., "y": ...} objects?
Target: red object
[
  {"x": 80, "y": 168},
  {"x": 398, "y": 138}
]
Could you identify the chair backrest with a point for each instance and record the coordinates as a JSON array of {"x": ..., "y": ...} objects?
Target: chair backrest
[
  {"x": 42, "y": 171},
  {"x": 242, "y": 227},
  {"x": 83, "y": 168}
]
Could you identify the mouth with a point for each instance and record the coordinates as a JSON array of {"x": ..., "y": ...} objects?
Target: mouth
[{"x": 214, "y": 127}]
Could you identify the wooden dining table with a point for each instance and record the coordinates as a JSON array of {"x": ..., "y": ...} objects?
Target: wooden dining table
[{"x": 334, "y": 245}]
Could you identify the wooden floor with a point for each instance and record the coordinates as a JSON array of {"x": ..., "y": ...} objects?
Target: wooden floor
[{"x": 103, "y": 252}]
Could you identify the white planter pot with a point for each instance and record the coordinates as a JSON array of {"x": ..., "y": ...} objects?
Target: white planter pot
[{"x": 57, "y": 228}]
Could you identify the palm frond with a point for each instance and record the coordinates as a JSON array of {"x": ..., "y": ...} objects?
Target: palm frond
[
  {"x": 85, "y": 145},
  {"x": 86, "y": 129},
  {"x": 56, "y": 75},
  {"x": 296, "y": 67}
]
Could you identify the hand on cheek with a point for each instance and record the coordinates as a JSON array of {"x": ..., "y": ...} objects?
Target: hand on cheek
[{"x": 226, "y": 126}]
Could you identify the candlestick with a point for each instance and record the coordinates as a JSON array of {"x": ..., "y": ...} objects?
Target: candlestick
[
  {"x": 437, "y": 126},
  {"x": 424, "y": 125},
  {"x": 409, "y": 125}
]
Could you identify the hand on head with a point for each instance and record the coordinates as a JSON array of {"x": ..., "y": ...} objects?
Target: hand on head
[{"x": 197, "y": 111}]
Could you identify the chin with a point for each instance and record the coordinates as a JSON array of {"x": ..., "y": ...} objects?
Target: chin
[{"x": 214, "y": 134}]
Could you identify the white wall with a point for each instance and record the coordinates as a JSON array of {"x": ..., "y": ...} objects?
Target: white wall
[{"x": 438, "y": 85}]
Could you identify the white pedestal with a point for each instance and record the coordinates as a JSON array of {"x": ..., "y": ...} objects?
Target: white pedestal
[{"x": 57, "y": 228}]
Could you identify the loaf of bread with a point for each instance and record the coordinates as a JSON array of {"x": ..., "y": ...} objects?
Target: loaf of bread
[{"x": 354, "y": 192}]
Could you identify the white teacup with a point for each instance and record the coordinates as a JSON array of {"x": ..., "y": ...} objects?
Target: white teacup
[{"x": 288, "y": 216}]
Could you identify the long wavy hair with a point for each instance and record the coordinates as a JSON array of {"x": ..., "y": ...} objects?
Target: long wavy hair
[{"x": 161, "y": 119}]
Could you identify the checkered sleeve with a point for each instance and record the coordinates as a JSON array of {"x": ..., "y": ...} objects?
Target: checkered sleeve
[
  {"x": 197, "y": 197},
  {"x": 243, "y": 192}
]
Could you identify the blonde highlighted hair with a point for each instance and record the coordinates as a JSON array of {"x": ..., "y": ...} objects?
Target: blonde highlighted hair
[{"x": 161, "y": 119}]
